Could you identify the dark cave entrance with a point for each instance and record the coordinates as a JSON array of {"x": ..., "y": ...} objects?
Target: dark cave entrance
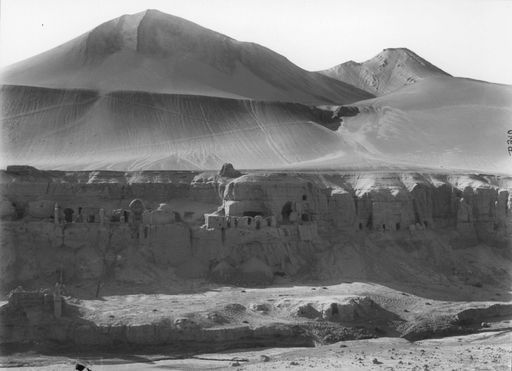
[
  {"x": 68, "y": 215},
  {"x": 286, "y": 211}
]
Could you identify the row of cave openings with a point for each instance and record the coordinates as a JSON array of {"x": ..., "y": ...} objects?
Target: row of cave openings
[
  {"x": 91, "y": 218},
  {"x": 286, "y": 211}
]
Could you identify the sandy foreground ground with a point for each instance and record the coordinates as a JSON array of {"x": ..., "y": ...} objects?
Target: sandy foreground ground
[
  {"x": 489, "y": 350},
  {"x": 484, "y": 351}
]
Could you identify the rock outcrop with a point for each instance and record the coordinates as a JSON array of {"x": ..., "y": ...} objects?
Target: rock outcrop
[{"x": 228, "y": 171}]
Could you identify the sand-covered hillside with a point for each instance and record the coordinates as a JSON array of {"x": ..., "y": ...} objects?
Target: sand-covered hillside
[
  {"x": 388, "y": 71},
  {"x": 156, "y": 52},
  {"x": 71, "y": 129},
  {"x": 438, "y": 123},
  {"x": 446, "y": 122},
  {"x": 154, "y": 91}
]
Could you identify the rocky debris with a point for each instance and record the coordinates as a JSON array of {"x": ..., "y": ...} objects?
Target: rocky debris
[
  {"x": 264, "y": 358},
  {"x": 217, "y": 318},
  {"x": 261, "y": 307},
  {"x": 389, "y": 70},
  {"x": 481, "y": 315},
  {"x": 339, "y": 309},
  {"x": 308, "y": 311},
  {"x": 186, "y": 324},
  {"x": 228, "y": 171},
  {"x": 426, "y": 327},
  {"x": 345, "y": 111},
  {"x": 235, "y": 308}
]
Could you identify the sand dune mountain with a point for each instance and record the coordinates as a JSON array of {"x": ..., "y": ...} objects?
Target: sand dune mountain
[
  {"x": 388, "y": 71},
  {"x": 160, "y": 53},
  {"x": 153, "y": 91}
]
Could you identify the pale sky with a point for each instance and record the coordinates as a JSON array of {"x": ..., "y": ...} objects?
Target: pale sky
[{"x": 468, "y": 38}]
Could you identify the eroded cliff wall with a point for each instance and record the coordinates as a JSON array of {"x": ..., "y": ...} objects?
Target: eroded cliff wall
[{"x": 303, "y": 219}]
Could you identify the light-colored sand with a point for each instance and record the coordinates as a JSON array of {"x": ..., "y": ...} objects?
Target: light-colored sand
[
  {"x": 487, "y": 351},
  {"x": 160, "y": 53},
  {"x": 449, "y": 123}
]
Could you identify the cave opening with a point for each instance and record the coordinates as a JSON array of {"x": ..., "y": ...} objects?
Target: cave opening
[
  {"x": 68, "y": 215},
  {"x": 286, "y": 211}
]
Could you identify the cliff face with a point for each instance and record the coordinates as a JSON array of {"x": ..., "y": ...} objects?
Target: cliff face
[{"x": 235, "y": 229}]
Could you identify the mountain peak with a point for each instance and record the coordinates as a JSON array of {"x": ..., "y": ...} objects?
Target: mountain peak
[
  {"x": 388, "y": 71},
  {"x": 150, "y": 31},
  {"x": 153, "y": 51}
]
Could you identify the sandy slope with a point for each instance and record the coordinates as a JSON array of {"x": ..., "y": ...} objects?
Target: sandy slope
[
  {"x": 157, "y": 52},
  {"x": 439, "y": 121},
  {"x": 134, "y": 130},
  {"x": 442, "y": 122},
  {"x": 144, "y": 91},
  {"x": 485, "y": 351},
  {"x": 388, "y": 71}
]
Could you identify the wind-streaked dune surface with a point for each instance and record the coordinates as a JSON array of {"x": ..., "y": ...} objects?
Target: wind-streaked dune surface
[
  {"x": 133, "y": 130},
  {"x": 153, "y": 91},
  {"x": 441, "y": 122},
  {"x": 159, "y": 53}
]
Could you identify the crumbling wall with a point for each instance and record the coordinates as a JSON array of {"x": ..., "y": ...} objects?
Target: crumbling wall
[
  {"x": 84, "y": 251},
  {"x": 342, "y": 210}
]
